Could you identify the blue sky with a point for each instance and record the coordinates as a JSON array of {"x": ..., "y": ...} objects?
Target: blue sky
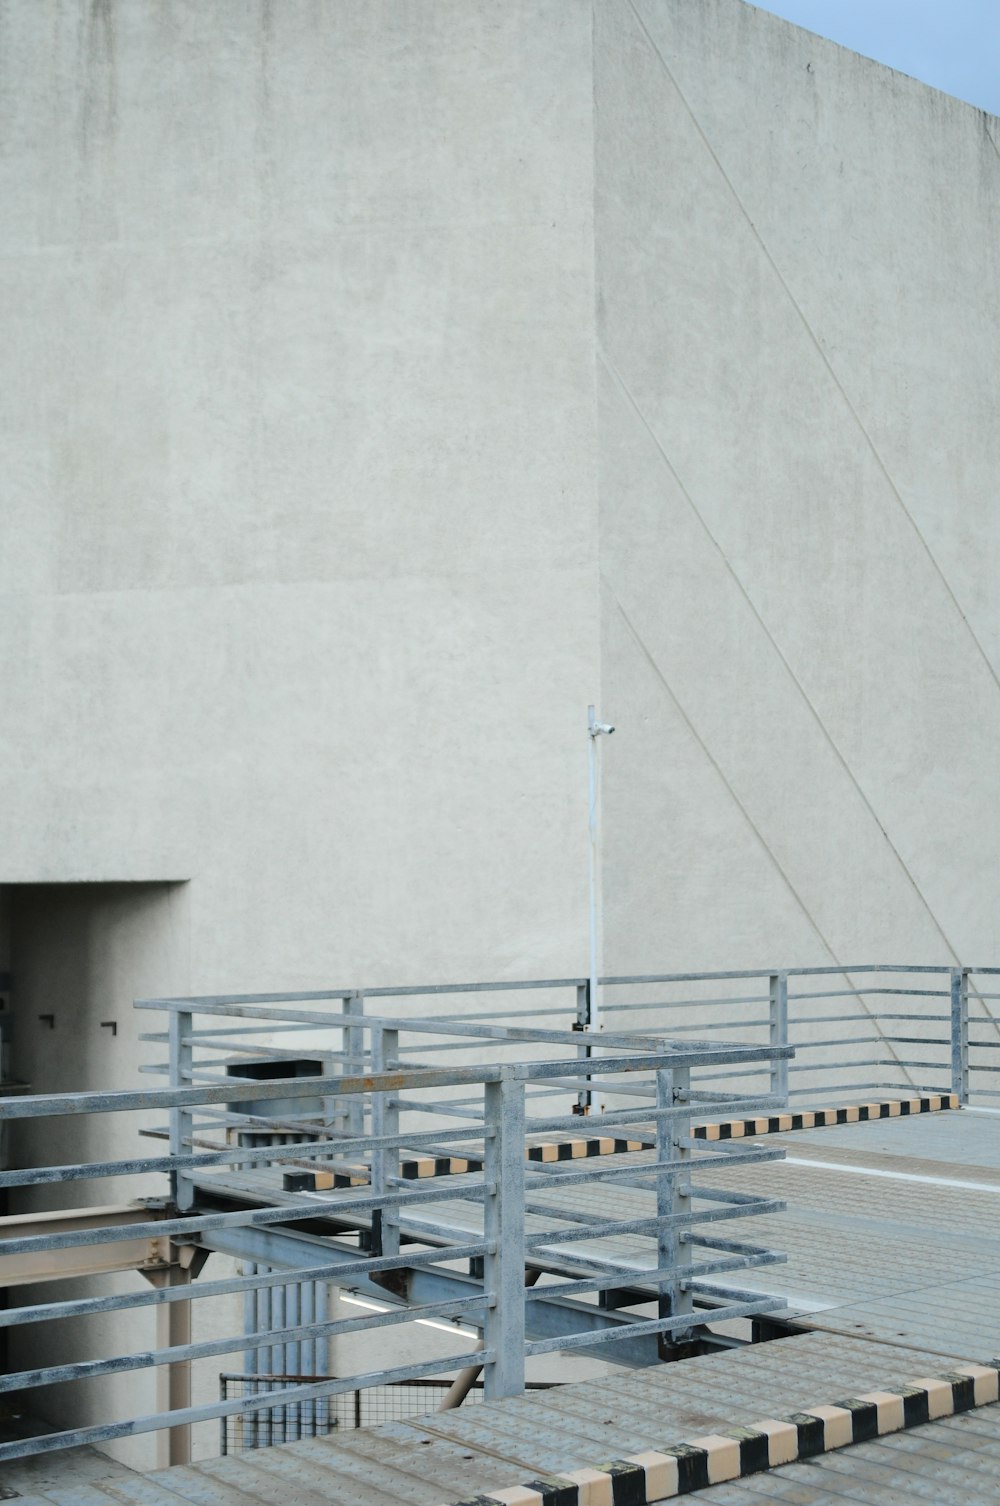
[{"x": 952, "y": 44}]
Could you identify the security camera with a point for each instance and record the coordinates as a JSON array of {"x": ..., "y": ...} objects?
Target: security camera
[{"x": 599, "y": 727}]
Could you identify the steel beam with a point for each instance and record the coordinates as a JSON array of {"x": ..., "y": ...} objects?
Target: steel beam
[
  {"x": 548, "y": 1318},
  {"x": 64, "y": 1263}
]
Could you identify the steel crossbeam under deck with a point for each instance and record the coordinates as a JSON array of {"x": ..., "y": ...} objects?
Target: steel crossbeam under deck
[
  {"x": 545, "y": 1318},
  {"x": 62, "y": 1264}
]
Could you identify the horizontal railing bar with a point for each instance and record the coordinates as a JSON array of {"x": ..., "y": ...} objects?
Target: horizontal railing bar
[
  {"x": 841, "y": 1040},
  {"x": 760, "y": 1071},
  {"x": 319, "y": 1150},
  {"x": 860, "y": 1019},
  {"x": 323, "y": 1206},
  {"x": 604, "y": 1040},
  {"x": 927, "y": 1040},
  {"x": 713, "y": 1242},
  {"x": 106, "y": 1432},
  {"x": 509, "y": 1014},
  {"x": 44, "y": 1312},
  {"x": 730, "y": 1207},
  {"x": 908, "y": 1089},
  {"x": 890, "y": 1061},
  {"x": 627, "y": 1277},
  {"x": 451, "y": 1110},
  {"x": 684, "y": 1003},
  {"x": 208, "y": 1348},
  {"x": 673, "y": 1029},
  {"x": 857, "y": 993},
  {"x": 741, "y": 1199},
  {"x": 219, "y": 1040},
  {"x": 463, "y": 1045},
  {"x": 874, "y": 1061},
  {"x": 122, "y": 1100},
  {"x": 696, "y": 1107},
  {"x": 842, "y": 1019},
  {"x": 833, "y": 971},
  {"x": 199, "y": 1037},
  {"x": 192, "y": 1003}
]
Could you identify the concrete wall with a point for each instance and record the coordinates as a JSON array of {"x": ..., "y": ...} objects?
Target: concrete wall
[
  {"x": 297, "y": 415},
  {"x": 797, "y": 263},
  {"x": 297, "y": 426}
]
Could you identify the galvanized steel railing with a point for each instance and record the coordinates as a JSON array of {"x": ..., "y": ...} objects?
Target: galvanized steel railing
[
  {"x": 240, "y": 1144},
  {"x": 630, "y": 1225},
  {"x": 856, "y": 1029}
]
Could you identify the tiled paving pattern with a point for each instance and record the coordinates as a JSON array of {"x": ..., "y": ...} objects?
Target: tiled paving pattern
[{"x": 448, "y": 1456}]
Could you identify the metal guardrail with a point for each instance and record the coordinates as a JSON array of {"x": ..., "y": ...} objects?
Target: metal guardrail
[
  {"x": 234, "y": 1137},
  {"x": 891, "y": 1026},
  {"x": 386, "y": 1087}
]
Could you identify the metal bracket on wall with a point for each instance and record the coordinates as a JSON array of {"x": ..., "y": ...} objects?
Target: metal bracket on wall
[
  {"x": 111, "y": 1025},
  {"x": 47, "y": 1019}
]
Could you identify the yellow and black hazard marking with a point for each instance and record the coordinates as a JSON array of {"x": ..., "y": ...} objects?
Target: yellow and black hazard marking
[
  {"x": 415, "y": 1168},
  {"x": 731, "y": 1453},
  {"x": 857, "y": 1113}
]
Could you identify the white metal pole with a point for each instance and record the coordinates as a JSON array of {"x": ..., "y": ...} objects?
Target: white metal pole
[
  {"x": 595, "y": 1007},
  {"x": 594, "y": 731}
]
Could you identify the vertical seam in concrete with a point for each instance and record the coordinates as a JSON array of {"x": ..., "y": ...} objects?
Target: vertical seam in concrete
[
  {"x": 814, "y": 340},
  {"x": 647, "y": 654}
]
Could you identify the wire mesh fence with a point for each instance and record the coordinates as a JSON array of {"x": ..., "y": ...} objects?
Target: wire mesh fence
[{"x": 368, "y": 1407}]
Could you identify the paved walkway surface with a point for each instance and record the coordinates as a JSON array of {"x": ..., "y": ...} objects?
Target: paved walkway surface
[
  {"x": 893, "y": 1232},
  {"x": 448, "y": 1456}
]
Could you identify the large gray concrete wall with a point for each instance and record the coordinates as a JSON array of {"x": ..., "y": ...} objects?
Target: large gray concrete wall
[
  {"x": 359, "y": 355},
  {"x": 297, "y": 431},
  {"x": 298, "y": 581},
  {"x": 797, "y": 268}
]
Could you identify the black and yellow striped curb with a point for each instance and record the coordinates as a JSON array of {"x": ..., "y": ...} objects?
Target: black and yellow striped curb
[
  {"x": 584, "y": 1147},
  {"x": 657, "y": 1475},
  {"x": 856, "y": 1113}
]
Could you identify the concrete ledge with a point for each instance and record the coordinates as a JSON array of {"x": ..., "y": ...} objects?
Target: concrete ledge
[{"x": 680, "y": 1468}]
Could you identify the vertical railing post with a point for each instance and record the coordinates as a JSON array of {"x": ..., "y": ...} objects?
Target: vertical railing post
[
  {"x": 673, "y": 1199},
  {"x": 354, "y": 1047},
  {"x": 385, "y": 1160},
  {"x": 181, "y": 1119},
  {"x": 503, "y": 1220},
  {"x": 778, "y": 1017},
  {"x": 960, "y": 1033},
  {"x": 584, "y": 1096}
]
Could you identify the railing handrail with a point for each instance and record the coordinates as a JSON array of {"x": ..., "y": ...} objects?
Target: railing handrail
[
  {"x": 119, "y": 1100},
  {"x": 417, "y": 990}
]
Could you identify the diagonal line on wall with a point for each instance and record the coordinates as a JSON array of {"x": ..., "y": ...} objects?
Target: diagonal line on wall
[
  {"x": 817, "y": 346},
  {"x": 628, "y": 397},
  {"x": 765, "y": 845}
]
